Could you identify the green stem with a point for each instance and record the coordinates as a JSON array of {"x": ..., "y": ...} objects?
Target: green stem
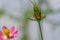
[{"x": 40, "y": 30}]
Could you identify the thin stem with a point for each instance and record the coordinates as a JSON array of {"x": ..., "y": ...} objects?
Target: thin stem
[
  {"x": 40, "y": 30},
  {"x": 31, "y": 19}
]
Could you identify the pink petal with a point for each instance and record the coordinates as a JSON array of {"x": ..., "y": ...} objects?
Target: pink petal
[
  {"x": 1, "y": 35},
  {"x": 1, "y": 38},
  {"x": 4, "y": 27},
  {"x": 15, "y": 33},
  {"x": 12, "y": 29},
  {"x": 9, "y": 39}
]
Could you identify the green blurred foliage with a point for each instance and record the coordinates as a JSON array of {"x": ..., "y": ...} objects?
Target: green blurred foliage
[
  {"x": 2, "y": 12},
  {"x": 48, "y": 11},
  {"x": 24, "y": 37},
  {"x": 14, "y": 17},
  {"x": 27, "y": 14}
]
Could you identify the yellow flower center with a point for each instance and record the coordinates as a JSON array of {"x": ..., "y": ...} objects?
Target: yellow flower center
[{"x": 6, "y": 33}]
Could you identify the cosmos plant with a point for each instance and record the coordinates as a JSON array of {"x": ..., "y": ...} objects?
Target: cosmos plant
[
  {"x": 8, "y": 34},
  {"x": 38, "y": 15}
]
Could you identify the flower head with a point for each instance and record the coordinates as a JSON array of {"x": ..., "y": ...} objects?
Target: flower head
[
  {"x": 38, "y": 14},
  {"x": 8, "y": 34}
]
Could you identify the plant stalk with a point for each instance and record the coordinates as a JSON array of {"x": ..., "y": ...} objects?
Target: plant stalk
[{"x": 40, "y": 30}]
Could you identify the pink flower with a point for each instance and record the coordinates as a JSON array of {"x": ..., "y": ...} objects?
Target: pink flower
[{"x": 8, "y": 34}]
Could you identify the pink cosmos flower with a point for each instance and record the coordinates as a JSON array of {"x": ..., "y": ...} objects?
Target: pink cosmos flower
[{"x": 8, "y": 34}]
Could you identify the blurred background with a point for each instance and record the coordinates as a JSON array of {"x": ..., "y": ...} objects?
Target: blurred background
[{"x": 16, "y": 12}]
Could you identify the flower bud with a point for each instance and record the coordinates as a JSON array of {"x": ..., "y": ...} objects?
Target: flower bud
[{"x": 38, "y": 14}]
